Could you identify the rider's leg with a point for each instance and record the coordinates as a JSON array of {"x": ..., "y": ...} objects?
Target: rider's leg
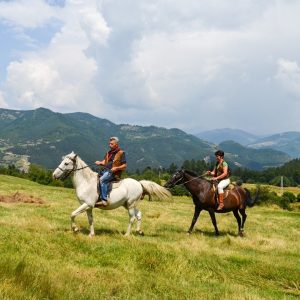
[
  {"x": 104, "y": 181},
  {"x": 222, "y": 184}
]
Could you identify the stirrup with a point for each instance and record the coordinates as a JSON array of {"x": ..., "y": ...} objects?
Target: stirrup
[
  {"x": 220, "y": 207},
  {"x": 101, "y": 203},
  {"x": 104, "y": 202}
]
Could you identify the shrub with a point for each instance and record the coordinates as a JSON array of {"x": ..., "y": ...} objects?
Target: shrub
[
  {"x": 284, "y": 202},
  {"x": 290, "y": 196}
]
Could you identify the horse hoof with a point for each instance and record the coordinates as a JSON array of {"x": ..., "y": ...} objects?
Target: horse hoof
[
  {"x": 189, "y": 233},
  {"x": 75, "y": 229},
  {"x": 241, "y": 234},
  {"x": 91, "y": 235},
  {"x": 140, "y": 232}
]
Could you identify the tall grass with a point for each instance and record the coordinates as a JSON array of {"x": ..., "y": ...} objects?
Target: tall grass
[{"x": 42, "y": 259}]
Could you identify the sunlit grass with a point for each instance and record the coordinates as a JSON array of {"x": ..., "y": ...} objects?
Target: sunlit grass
[
  {"x": 42, "y": 259},
  {"x": 277, "y": 189}
]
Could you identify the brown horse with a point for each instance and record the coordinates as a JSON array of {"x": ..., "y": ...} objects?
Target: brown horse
[{"x": 204, "y": 198}]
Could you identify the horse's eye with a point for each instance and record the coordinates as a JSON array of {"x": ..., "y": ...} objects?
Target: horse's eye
[{"x": 66, "y": 163}]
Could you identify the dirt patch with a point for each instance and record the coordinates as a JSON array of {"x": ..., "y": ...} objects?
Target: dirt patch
[{"x": 19, "y": 197}]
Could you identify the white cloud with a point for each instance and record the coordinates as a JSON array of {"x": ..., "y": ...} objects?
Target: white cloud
[
  {"x": 61, "y": 75},
  {"x": 170, "y": 63},
  {"x": 27, "y": 13},
  {"x": 3, "y": 104},
  {"x": 288, "y": 74}
]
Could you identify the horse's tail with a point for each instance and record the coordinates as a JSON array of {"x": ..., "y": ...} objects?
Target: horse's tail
[
  {"x": 249, "y": 201},
  {"x": 153, "y": 189}
]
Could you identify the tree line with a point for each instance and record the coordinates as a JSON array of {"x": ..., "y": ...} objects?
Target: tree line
[{"x": 290, "y": 172}]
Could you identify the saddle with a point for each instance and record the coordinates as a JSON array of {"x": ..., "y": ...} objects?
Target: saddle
[
  {"x": 111, "y": 185},
  {"x": 227, "y": 189}
]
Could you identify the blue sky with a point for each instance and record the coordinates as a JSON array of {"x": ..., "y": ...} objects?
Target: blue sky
[{"x": 194, "y": 64}]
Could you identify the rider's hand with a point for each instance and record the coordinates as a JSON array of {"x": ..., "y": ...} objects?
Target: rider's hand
[{"x": 98, "y": 163}]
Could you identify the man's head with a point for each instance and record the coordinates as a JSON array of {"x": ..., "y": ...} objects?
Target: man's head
[
  {"x": 219, "y": 153},
  {"x": 113, "y": 143}
]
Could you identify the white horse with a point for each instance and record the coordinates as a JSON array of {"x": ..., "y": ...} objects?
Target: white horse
[{"x": 128, "y": 193}]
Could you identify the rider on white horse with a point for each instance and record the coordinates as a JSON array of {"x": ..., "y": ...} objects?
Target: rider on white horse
[
  {"x": 127, "y": 194},
  {"x": 114, "y": 163}
]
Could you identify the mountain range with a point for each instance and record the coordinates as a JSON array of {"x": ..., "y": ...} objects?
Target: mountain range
[
  {"x": 42, "y": 136},
  {"x": 218, "y": 136},
  {"x": 288, "y": 142}
]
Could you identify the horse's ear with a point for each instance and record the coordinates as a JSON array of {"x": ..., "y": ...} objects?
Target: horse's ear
[{"x": 73, "y": 154}]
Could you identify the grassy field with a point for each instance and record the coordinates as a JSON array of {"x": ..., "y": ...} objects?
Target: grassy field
[
  {"x": 276, "y": 189},
  {"x": 42, "y": 259}
]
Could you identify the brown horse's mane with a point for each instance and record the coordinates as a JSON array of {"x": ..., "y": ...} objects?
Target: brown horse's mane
[{"x": 192, "y": 173}]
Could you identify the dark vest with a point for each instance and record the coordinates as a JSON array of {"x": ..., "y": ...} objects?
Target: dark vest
[{"x": 116, "y": 162}]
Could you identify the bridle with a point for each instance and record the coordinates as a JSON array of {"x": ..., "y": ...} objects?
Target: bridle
[{"x": 74, "y": 169}]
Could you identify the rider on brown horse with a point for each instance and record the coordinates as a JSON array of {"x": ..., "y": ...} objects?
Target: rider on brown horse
[{"x": 221, "y": 174}]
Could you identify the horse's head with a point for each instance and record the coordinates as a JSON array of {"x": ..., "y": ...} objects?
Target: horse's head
[
  {"x": 176, "y": 179},
  {"x": 66, "y": 167}
]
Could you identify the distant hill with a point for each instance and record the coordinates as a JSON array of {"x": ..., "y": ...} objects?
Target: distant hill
[
  {"x": 218, "y": 136},
  {"x": 288, "y": 142},
  {"x": 41, "y": 136},
  {"x": 256, "y": 159}
]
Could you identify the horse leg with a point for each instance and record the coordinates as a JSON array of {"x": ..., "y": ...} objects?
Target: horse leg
[
  {"x": 138, "y": 215},
  {"x": 131, "y": 212},
  {"x": 82, "y": 208},
  {"x": 238, "y": 218},
  {"x": 214, "y": 221},
  {"x": 195, "y": 218},
  {"x": 244, "y": 217},
  {"x": 89, "y": 214}
]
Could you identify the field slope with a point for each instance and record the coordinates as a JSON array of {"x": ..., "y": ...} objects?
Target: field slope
[{"x": 42, "y": 259}]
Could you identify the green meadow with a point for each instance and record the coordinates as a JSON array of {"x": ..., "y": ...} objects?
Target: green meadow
[{"x": 40, "y": 258}]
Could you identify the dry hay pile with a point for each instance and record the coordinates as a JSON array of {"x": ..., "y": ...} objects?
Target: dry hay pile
[{"x": 19, "y": 197}]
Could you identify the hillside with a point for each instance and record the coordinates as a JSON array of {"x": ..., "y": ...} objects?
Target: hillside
[
  {"x": 288, "y": 142},
  {"x": 42, "y": 137},
  {"x": 218, "y": 136},
  {"x": 255, "y": 159}
]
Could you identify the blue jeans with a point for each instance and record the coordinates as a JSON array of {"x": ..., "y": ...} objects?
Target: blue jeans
[{"x": 105, "y": 178}]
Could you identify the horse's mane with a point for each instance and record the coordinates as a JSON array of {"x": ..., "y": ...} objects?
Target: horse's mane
[
  {"x": 192, "y": 173},
  {"x": 80, "y": 164}
]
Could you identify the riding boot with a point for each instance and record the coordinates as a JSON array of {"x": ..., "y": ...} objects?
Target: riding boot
[{"x": 221, "y": 202}]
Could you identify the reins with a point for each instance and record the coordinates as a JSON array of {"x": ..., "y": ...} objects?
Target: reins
[{"x": 183, "y": 183}]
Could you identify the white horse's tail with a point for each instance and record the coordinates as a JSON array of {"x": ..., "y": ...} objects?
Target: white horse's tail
[{"x": 153, "y": 189}]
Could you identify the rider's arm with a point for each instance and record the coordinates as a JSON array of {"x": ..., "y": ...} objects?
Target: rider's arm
[
  {"x": 211, "y": 173},
  {"x": 119, "y": 168},
  {"x": 100, "y": 162}
]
